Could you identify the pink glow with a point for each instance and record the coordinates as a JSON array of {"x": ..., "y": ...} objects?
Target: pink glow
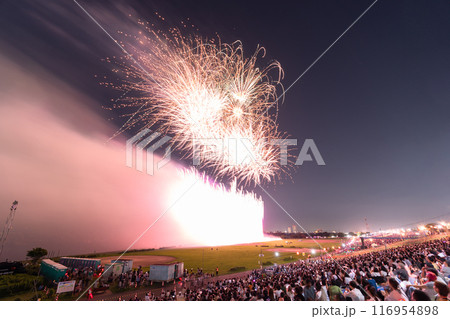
[{"x": 76, "y": 194}]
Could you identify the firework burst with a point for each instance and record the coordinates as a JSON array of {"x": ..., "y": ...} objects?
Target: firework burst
[{"x": 218, "y": 106}]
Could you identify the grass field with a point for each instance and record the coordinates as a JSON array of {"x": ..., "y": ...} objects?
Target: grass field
[{"x": 237, "y": 258}]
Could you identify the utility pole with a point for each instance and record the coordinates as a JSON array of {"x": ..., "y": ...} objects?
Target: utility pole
[{"x": 8, "y": 225}]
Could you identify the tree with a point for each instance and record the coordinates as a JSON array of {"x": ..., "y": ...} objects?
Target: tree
[{"x": 37, "y": 253}]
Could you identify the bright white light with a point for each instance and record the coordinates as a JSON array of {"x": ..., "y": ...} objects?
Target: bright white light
[
  {"x": 212, "y": 215},
  {"x": 277, "y": 254},
  {"x": 313, "y": 251}
]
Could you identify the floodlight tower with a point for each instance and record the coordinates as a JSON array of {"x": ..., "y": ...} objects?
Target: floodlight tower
[{"x": 8, "y": 225}]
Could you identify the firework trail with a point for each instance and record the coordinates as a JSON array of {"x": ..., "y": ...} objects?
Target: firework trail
[{"x": 212, "y": 100}]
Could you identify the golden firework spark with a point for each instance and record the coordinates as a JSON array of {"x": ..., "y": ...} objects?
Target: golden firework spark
[{"x": 215, "y": 103}]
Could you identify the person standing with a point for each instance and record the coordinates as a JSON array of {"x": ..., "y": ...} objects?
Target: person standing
[{"x": 89, "y": 294}]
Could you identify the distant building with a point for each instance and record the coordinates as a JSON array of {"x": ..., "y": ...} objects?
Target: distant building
[
  {"x": 289, "y": 230},
  {"x": 294, "y": 228}
]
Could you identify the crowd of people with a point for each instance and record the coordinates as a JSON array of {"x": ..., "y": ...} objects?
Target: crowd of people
[
  {"x": 134, "y": 279},
  {"x": 417, "y": 272}
]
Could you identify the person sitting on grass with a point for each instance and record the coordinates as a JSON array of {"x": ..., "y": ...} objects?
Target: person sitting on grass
[
  {"x": 334, "y": 291},
  {"x": 354, "y": 293},
  {"x": 442, "y": 291},
  {"x": 396, "y": 293},
  {"x": 445, "y": 268},
  {"x": 309, "y": 291},
  {"x": 419, "y": 295},
  {"x": 372, "y": 293},
  {"x": 428, "y": 286}
]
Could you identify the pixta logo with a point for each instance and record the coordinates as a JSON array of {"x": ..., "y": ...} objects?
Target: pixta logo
[{"x": 150, "y": 142}]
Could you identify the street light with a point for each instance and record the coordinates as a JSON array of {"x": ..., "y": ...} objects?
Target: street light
[{"x": 260, "y": 262}]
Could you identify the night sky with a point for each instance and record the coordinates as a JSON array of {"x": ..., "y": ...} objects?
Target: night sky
[{"x": 377, "y": 104}]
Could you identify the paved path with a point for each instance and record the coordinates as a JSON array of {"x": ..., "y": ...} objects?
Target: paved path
[{"x": 130, "y": 294}]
